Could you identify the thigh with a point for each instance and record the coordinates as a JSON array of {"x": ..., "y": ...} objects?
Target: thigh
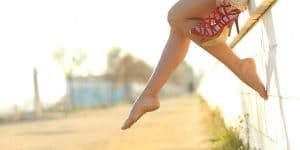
[{"x": 191, "y": 9}]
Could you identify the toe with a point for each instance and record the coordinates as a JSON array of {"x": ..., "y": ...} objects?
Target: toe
[
  {"x": 125, "y": 125},
  {"x": 128, "y": 123},
  {"x": 264, "y": 94}
]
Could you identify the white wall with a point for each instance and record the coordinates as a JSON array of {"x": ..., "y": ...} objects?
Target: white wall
[{"x": 273, "y": 43}]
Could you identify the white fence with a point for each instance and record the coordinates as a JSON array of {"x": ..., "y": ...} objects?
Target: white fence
[{"x": 272, "y": 41}]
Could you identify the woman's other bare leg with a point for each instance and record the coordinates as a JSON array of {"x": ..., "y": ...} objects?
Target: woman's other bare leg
[
  {"x": 173, "y": 53},
  {"x": 244, "y": 69}
]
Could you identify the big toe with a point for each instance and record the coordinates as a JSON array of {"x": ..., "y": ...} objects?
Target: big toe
[
  {"x": 125, "y": 125},
  {"x": 264, "y": 94},
  {"x": 129, "y": 122}
]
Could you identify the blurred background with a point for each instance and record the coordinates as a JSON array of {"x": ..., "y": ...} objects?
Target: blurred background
[
  {"x": 70, "y": 71},
  {"x": 64, "y": 55}
]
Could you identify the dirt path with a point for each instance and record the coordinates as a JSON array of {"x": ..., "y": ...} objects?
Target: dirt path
[{"x": 178, "y": 125}]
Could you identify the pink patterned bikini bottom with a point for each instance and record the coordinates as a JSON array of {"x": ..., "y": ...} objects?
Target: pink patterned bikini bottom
[{"x": 214, "y": 28}]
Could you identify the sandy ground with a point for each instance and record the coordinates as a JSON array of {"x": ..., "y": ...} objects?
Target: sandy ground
[{"x": 178, "y": 125}]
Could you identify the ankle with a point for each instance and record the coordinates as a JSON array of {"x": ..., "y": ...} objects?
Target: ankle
[
  {"x": 246, "y": 64},
  {"x": 149, "y": 95}
]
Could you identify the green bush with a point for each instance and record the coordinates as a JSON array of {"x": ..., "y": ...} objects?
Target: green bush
[{"x": 225, "y": 138}]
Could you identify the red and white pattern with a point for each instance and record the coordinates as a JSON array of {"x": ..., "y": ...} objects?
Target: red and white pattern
[{"x": 218, "y": 19}]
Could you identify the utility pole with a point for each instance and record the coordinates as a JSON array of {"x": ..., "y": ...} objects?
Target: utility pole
[{"x": 37, "y": 103}]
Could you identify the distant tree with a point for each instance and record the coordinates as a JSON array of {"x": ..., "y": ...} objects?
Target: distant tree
[
  {"x": 70, "y": 63},
  {"x": 183, "y": 76},
  {"x": 126, "y": 69},
  {"x": 113, "y": 58},
  {"x": 111, "y": 74},
  {"x": 132, "y": 69}
]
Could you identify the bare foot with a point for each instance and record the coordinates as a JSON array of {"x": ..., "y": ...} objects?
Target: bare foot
[
  {"x": 249, "y": 75},
  {"x": 141, "y": 106}
]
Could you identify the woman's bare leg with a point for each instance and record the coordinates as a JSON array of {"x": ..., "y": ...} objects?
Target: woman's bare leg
[{"x": 174, "y": 52}]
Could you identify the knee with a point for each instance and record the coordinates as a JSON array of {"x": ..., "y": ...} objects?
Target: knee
[{"x": 174, "y": 17}]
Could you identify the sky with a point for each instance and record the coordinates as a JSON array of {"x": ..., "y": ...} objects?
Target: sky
[{"x": 32, "y": 29}]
